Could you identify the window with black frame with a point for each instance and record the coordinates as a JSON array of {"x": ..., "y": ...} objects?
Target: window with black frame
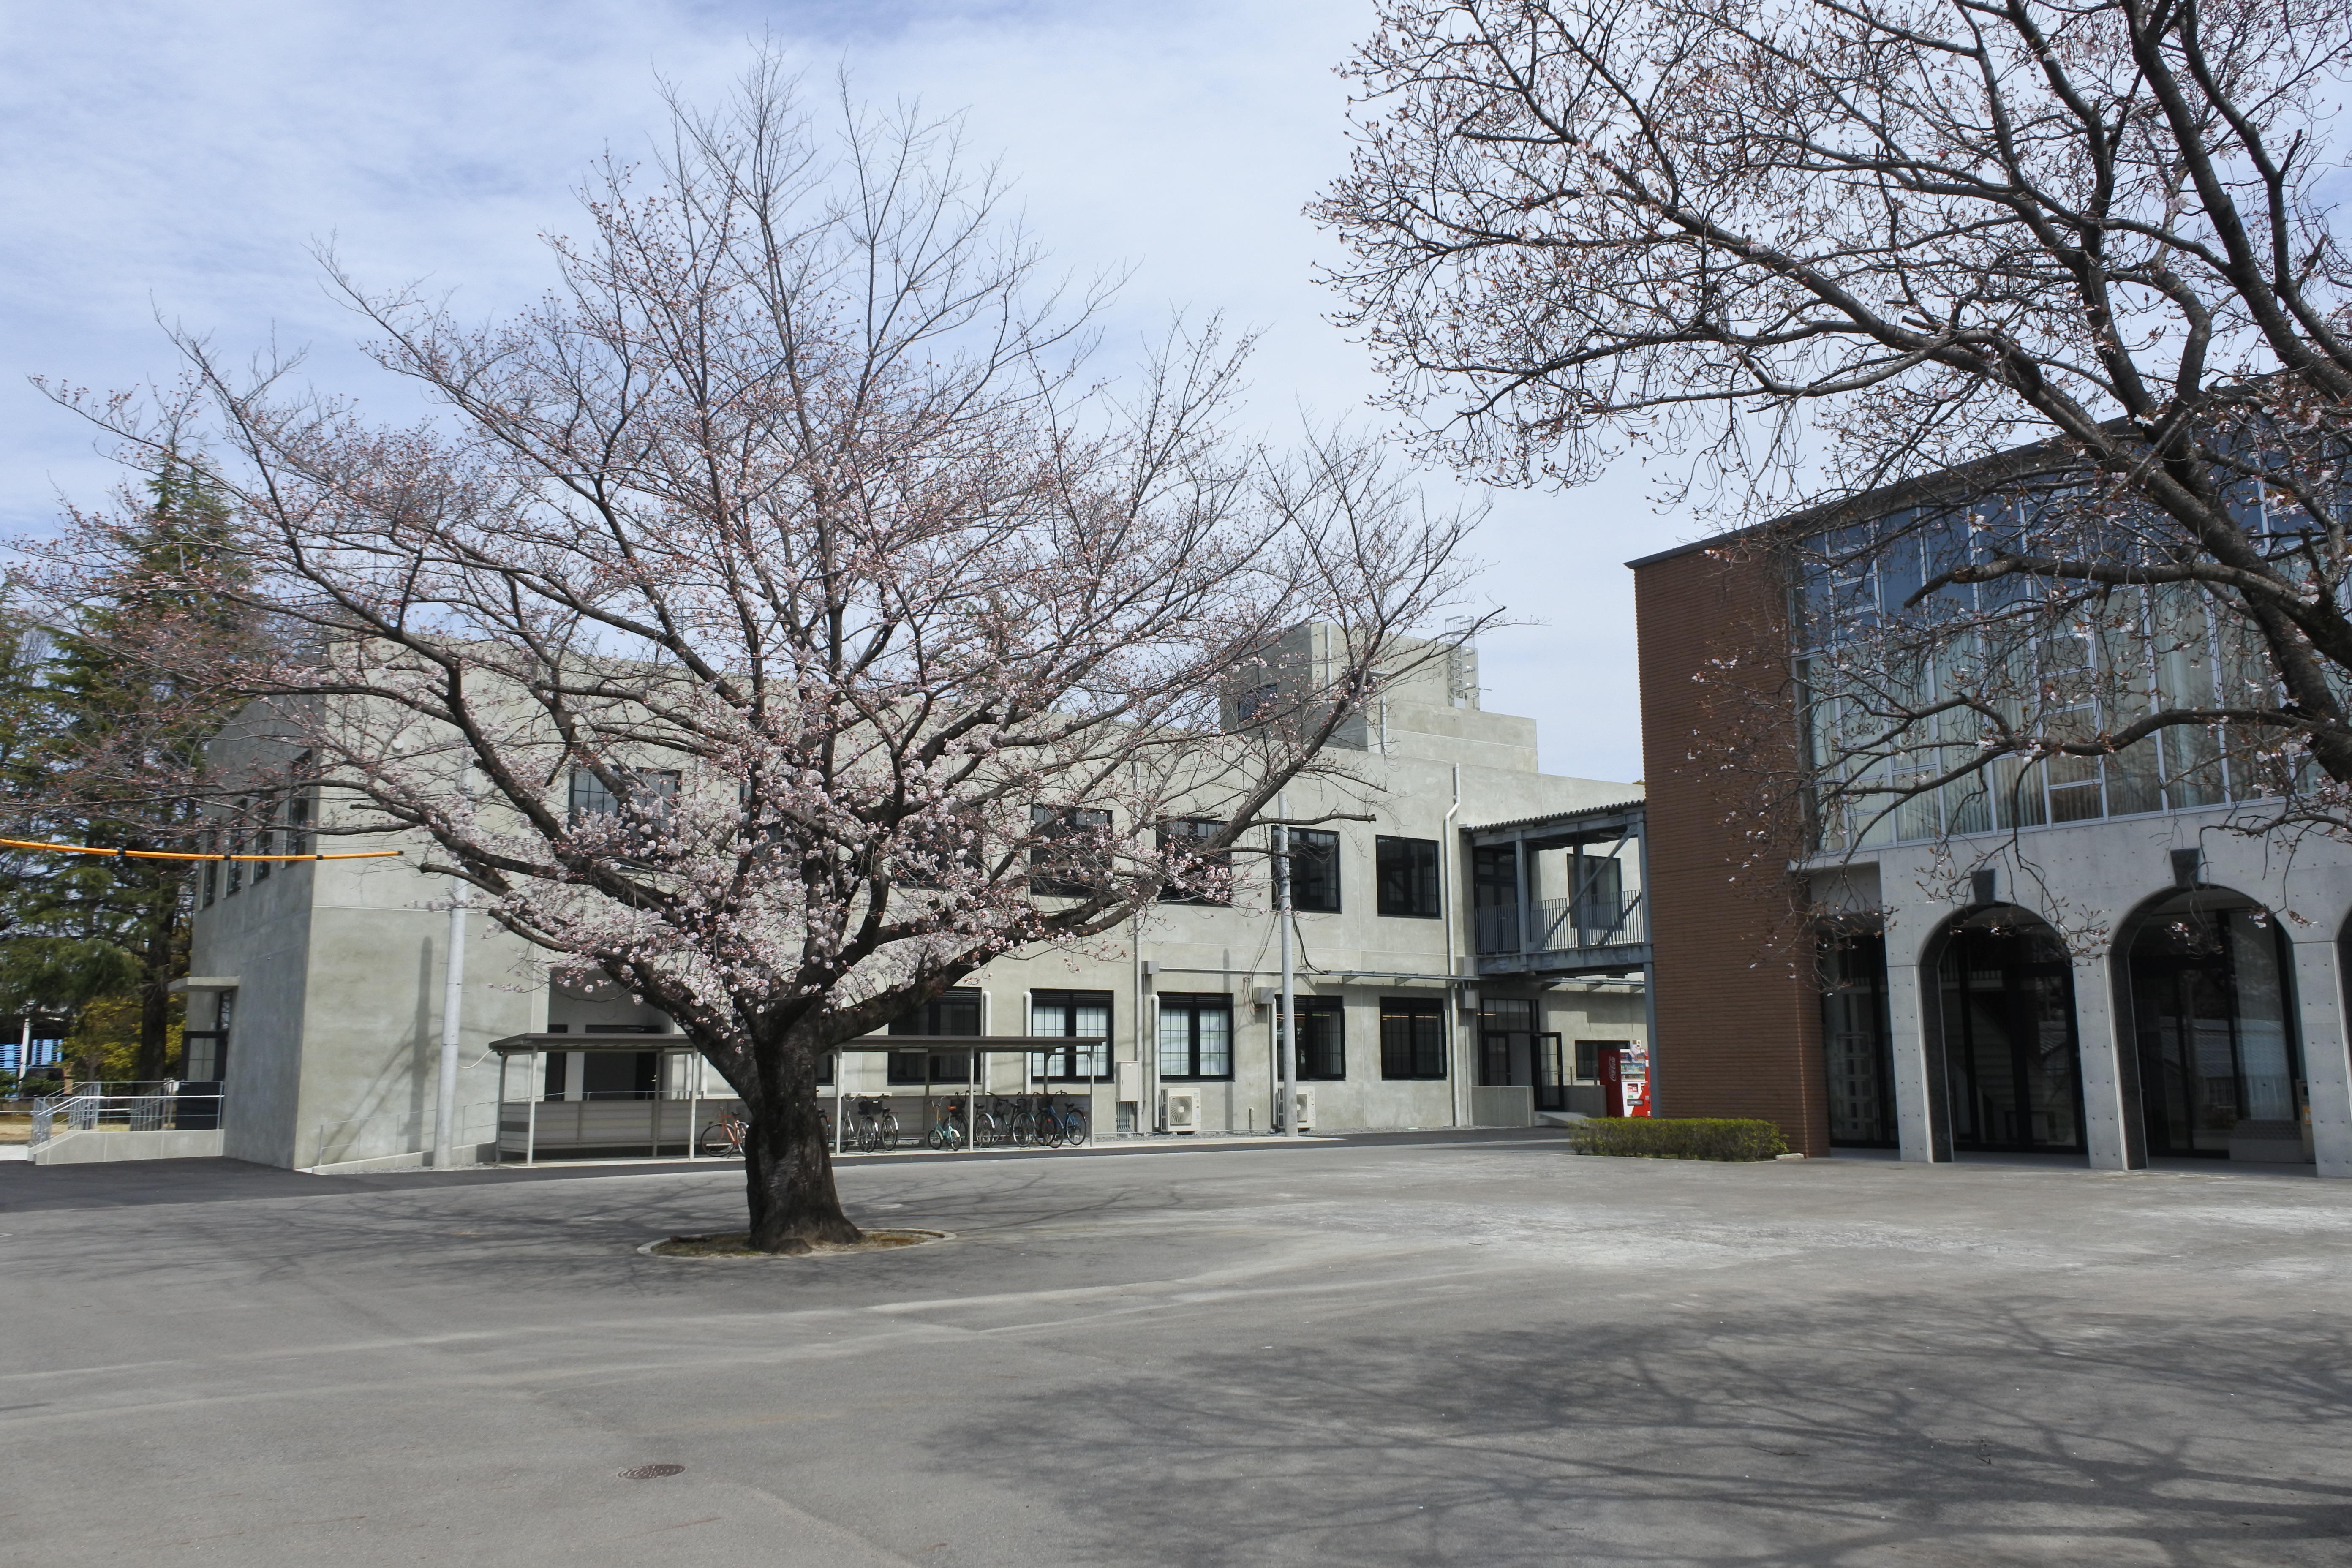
[
  {"x": 1314, "y": 871},
  {"x": 644, "y": 809},
  {"x": 950, "y": 1013},
  {"x": 1073, "y": 860},
  {"x": 264, "y": 839},
  {"x": 212, "y": 870},
  {"x": 1198, "y": 871},
  {"x": 237, "y": 848},
  {"x": 1072, "y": 1013},
  {"x": 1196, "y": 1036},
  {"x": 1405, "y": 870},
  {"x": 1412, "y": 1037},
  {"x": 650, "y": 791},
  {"x": 1322, "y": 1039}
]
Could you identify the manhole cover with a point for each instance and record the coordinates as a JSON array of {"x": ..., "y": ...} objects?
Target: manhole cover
[{"x": 647, "y": 1472}]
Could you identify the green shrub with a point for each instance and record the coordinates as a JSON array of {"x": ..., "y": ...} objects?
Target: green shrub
[{"x": 1677, "y": 1138}]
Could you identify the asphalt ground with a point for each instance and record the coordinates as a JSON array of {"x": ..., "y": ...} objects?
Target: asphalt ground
[{"x": 1473, "y": 1350}]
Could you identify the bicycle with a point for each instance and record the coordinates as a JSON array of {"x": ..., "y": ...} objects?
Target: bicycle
[
  {"x": 878, "y": 1126},
  {"x": 1007, "y": 1123},
  {"x": 1069, "y": 1122},
  {"x": 947, "y": 1130},
  {"x": 724, "y": 1136}
]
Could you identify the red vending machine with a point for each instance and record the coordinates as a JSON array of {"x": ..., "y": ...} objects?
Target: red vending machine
[{"x": 1624, "y": 1080}]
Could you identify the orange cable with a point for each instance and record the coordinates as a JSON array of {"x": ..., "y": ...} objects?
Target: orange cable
[{"x": 180, "y": 855}]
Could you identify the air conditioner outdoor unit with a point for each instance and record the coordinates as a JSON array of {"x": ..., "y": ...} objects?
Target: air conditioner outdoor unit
[
  {"x": 1180, "y": 1110},
  {"x": 1304, "y": 1099}
]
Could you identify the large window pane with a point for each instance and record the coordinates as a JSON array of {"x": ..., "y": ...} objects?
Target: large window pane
[
  {"x": 1406, "y": 869},
  {"x": 1322, "y": 1043},
  {"x": 1314, "y": 870},
  {"x": 1196, "y": 1036},
  {"x": 1072, "y": 1013},
  {"x": 1412, "y": 1037}
]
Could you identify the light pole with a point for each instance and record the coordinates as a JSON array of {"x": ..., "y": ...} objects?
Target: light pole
[{"x": 453, "y": 996}]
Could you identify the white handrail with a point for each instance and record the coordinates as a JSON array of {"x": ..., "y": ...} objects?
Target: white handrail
[{"x": 136, "y": 1112}]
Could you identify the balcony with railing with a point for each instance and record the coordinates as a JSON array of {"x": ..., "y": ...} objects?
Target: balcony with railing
[
  {"x": 1600, "y": 927},
  {"x": 1565, "y": 925},
  {"x": 1586, "y": 930}
]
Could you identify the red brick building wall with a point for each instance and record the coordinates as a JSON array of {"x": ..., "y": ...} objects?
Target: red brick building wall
[{"x": 1739, "y": 1015}]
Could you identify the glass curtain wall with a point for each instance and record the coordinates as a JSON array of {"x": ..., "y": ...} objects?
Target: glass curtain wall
[{"x": 2153, "y": 647}]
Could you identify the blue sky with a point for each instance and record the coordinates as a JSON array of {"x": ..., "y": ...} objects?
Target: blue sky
[{"x": 181, "y": 160}]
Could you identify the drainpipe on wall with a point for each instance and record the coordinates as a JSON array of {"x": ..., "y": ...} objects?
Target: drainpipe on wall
[
  {"x": 1453, "y": 965},
  {"x": 1286, "y": 1028},
  {"x": 1649, "y": 972},
  {"x": 453, "y": 997}
]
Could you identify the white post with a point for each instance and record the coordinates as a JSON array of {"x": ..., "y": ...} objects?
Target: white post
[
  {"x": 2327, "y": 1066},
  {"x": 1286, "y": 1028},
  {"x": 453, "y": 996},
  {"x": 25, "y": 1051}
]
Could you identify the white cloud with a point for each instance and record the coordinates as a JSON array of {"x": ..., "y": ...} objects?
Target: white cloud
[{"x": 181, "y": 160}]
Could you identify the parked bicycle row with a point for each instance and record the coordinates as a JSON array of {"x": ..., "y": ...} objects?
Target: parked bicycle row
[{"x": 1002, "y": 1121}]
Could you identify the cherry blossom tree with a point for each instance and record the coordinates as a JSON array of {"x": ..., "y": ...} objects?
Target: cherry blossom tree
[
  {"x": 812, "y": 630},
  {"x": 2069, "y": 270}
]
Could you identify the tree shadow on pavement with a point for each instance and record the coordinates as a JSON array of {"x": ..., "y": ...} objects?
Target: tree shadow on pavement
[{"x": 1891, "y": 1435}]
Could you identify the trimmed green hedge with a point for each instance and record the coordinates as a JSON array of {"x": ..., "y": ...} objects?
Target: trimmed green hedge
[{"x": 1678, "y": 1138}]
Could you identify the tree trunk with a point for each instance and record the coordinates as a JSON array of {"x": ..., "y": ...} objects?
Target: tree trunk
[
  {"x": 154, "y": 1033},
  {"x": 163, "y": 964},
  {"x": 788, "y": 1160}
]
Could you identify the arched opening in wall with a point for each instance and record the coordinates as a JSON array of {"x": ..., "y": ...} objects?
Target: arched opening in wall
[
  {"x": 2213, "y": 1021},
  {"x": 2005, "y": 990},
  {"x": 1857, "y": 1037}
]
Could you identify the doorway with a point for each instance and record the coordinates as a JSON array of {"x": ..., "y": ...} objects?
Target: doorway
[
  {"x": 2013, "y": 1071},
  {"x": 1551, "y": 1074},
  {"x": 1507, "y": 1030},
  {"x": 1857, "y": 1041},
  {"x": 2212, "y": 1017}
]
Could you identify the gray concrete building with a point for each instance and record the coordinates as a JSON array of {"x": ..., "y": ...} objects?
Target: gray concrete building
[{"x": 316, "y": 990}]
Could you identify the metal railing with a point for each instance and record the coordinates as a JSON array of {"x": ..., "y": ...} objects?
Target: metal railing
[
  {"x": 1560, "y": 925},
  {"x": 167, "y": 1107}
]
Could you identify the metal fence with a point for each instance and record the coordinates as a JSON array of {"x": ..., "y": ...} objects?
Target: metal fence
[{"x": 166, "y": 1107}]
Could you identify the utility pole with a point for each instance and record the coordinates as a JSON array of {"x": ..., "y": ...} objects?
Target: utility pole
[
  {"x": 453, "y": 997},
  {"x": 1287, "y": 1029}
]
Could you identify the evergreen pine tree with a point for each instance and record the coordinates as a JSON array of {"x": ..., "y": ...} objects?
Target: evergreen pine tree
[{"x": 101, "y": 743}]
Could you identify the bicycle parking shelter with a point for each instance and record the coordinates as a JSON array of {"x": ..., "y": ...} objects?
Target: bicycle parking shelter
[{"x": 662, "y": 1123}]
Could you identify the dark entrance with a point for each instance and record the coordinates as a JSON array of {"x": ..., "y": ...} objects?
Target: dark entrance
[
  {"x": 2218, "y": 1055},
  {"x": 1857, "y": 1041},
  {"x": 2011, "y": 1067},
  {"x": 1506, "y": 1036},
  {"x": 1551, "y": 1074}
]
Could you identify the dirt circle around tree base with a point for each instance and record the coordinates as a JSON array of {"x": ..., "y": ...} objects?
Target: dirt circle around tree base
[{"x": 734, "y": 1243}]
